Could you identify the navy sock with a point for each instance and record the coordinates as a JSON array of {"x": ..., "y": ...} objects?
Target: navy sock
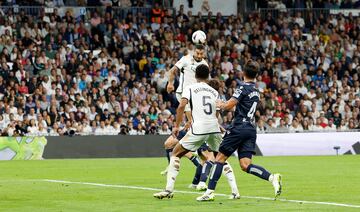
[
  {"x": 197, "y": 176},
  {"x": 258, "y": 171},
  {"x": 168, "y": 154},
  {"x": 195, "y": 160},
  {"x": 215, "y": 175},
  {"x": 206, "y": 170}
]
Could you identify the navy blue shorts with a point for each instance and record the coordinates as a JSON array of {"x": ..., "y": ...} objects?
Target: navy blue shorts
[
  {"x": 181, "y": 134},
  {"x": 242, "y": 139}
]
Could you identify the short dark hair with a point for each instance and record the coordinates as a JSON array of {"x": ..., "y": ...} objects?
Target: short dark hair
[
  {"x": 251, "y": 69},
  {"x": 214, "y": 83},
  {"x": 199, "y": 46},
  {"x": 202, "y": 72}
]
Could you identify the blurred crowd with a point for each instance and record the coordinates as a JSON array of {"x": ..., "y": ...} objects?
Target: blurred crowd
[
  {"x": 278, "y": 4},
  {"x": 61, "y": 75},
  {"x": 301, "y": 4},
  {"x": 91, "y": 3}
]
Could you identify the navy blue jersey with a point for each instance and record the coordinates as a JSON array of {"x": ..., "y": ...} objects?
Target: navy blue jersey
[{"x": 248, "y": 97}]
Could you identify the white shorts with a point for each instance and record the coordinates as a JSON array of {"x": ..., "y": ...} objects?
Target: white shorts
[
  {"x": 193, "y": 142},
  {"x": 187, "y": 107}
]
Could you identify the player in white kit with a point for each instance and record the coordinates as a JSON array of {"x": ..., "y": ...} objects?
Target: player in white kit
[
  {"x": 186, "y": 66},
  {"x": 205, "y": 127}
]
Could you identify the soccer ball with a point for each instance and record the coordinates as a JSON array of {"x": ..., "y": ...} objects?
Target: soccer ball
[{"x": 199, "y": 37}]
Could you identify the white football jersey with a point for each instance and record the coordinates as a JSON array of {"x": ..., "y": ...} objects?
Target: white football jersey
[
  {"x": 187, "y": 66},
  {"x": 202, "y": 99}
]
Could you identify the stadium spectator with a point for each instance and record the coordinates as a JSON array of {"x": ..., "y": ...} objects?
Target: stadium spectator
[
  {"x": 295, "y": 126},
  {"x": 164, "y": 130},
  {"x": 64, "y": 74}
]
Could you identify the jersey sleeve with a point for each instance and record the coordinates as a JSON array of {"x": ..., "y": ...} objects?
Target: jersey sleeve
[
  {"x": 186, "y": 94},
  {"x": 239, "y": 92},
  {"x": 181, "y": 63}
]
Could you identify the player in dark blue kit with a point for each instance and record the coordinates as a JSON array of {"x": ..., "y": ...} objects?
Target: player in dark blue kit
[{"x": 241, "y": 136}]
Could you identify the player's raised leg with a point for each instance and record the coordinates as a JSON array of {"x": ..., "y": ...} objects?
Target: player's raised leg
[
  {"x": 229, "y": 144},
  {"x": 247, "y": 166}
]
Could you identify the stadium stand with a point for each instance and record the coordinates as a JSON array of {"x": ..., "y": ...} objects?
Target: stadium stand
[{"x": 101, "y": 73}]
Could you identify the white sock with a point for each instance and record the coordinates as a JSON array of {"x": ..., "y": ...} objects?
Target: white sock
[
  {"x": 173, "y": 171},
  {"x": 271, "y": 178},
  {"x": 201, "y": 183},
  {"x": 229, "y": 173},
  {"x": 208, "y": 191}
]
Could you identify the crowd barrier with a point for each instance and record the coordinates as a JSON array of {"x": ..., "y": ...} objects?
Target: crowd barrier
[{"x": 289, "y": 144}]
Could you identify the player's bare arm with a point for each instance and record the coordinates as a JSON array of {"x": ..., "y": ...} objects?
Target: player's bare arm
[
  {"x": 170, "y": 87},
  {"x": 228, "y": 105},
  {"x": 188, "y": 123}
]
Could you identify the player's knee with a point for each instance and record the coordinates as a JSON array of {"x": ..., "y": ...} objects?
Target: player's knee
[
  {"x": 169, "y": 143},
  {"x": 166, "y": 145}
]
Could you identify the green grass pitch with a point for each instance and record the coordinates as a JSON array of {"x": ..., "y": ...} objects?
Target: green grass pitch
[{"x": 318, "y": 179}]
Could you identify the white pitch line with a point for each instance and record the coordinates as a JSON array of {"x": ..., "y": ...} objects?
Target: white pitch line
[{"x": 193, "y": 192}]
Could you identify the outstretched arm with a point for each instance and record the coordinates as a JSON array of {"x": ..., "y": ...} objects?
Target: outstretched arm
[{"x": 228, "y": 105}]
